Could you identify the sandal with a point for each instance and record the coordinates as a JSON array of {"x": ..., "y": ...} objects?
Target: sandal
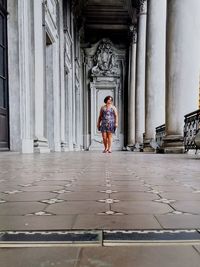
[
  {"x": 105, "y": 150},
  {"x": 109, "y": 151}
]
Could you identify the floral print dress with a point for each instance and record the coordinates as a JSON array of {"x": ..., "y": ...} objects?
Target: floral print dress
[{"x": 108, "y": 119}]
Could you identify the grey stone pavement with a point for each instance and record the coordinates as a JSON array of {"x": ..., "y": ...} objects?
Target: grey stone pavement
[{"x": 92, "y": 190}]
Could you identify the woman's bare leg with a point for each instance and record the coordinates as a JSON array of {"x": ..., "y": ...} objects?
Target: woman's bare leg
[
  {"x": 105, "y": 142},
  {"x": 109, "y": 135}
]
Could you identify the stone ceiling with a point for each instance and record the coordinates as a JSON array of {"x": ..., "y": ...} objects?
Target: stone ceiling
[{"x": 106, "y": 18}]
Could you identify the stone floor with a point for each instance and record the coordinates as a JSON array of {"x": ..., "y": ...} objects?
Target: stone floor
[
  {"x": 92, "y": 190},
  {"x": 153, "y": 256}
]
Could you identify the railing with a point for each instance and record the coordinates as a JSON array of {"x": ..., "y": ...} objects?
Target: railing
[
  {"x": 160, "y": 133},
  {"x": 191, "y": 127}
]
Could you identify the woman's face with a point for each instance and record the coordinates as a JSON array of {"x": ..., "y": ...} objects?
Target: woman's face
[{"x": 109, "y": 101}]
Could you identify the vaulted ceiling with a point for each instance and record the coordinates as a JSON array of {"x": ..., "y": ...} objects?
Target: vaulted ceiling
[{"x": 107, "y": 18}]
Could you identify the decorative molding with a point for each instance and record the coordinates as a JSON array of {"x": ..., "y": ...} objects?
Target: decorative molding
[
  {"x": 133, "y": 33},
  {"x": 142, "y": 10}
]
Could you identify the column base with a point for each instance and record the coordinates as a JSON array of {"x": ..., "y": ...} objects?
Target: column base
[
  {"x": 64, "y": 147},
  {"x": 130, "y": 147},
  {"x": 57, "y": 147},
  {"x": 138, "y": 147},
  {"x": 173, "y": 144},
  {"x": 147, "y": 146},
  {"x": 76, "y": 147},
  {"x": 41, "y": 145},
  {"x": 27, "y": 146}
]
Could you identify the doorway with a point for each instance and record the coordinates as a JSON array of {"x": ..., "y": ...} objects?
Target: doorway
[
  {"x": 104, "y": 75},
  {"x": 4, "y": 120}
]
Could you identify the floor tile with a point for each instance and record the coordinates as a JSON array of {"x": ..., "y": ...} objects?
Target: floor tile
[
  {"x": 36, "y": 222},
  {"x": 181, "y": 196},
  {"x": 39, "y": 257},
  {"x": 132, "y": 188},
  {"x": 197, "y": 247},
  {"x": 41, "y": 188},
  {"x": 179, "y": 221},
  {"x": 187, "y": 206},
  {"x": 116, "y": 222},
  {"x": 77, "y": 196},
  {"x": 140, "y": 257},
  {"x": 29, "y": 196},
  {"x": 172, "y": 188},
  {"x": 77, "y": 207},
  {"x": 141, "y": 207},
  {"x": 20, "y": 208},
  {"x": 137, "y": 196}
]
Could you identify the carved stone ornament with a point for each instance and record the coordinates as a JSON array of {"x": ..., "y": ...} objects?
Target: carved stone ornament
[
  {"x": 133, "y": 32},
  {"x": 105, "y": 60},
  {"x": 143, "y": 7}
]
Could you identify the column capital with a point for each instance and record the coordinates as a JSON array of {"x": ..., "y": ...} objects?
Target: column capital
[
  {"x": 142, "y": 8},
  {"x": 133, "y": 33}
]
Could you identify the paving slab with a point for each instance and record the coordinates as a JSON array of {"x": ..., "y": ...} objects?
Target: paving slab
[
  {"x": 77, "y": 207},
  {"x": 191, "y": 206},
  {"x": 34, "y": 222},
  {"x": 179, "y": 221},
  {"x": 175, "y": 256},
  {"x": 20, "y": 208},
  {"x": 116, "y": 222},
  {"x": 141, "y": 207}
]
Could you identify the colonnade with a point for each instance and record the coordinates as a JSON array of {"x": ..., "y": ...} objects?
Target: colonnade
[{"x": 167, "y": 71}]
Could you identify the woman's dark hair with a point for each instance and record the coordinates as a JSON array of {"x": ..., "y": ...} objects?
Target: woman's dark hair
[{"x": 107, "y": 98}]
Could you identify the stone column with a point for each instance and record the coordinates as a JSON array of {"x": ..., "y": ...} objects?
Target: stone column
[
  {"x": 155, "y": 70},
  {"x": 14, "y": 83},
  {"x": 25, "y": 75},
  {"x": 140, "y": 76},
  {"x": 69, "y": 104},
  {"x": 131, "y": 88},
  {"x": 182, "y": 68},
  {"x": 40, "y": 142},
  {"x": 62, "y": 81},
  {"x": 56, "y": 96}
]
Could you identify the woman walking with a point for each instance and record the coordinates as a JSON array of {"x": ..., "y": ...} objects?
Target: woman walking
[{"x": 107, "y": 122}]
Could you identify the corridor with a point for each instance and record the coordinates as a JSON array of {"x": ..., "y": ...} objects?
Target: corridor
[{"x": 96, "y": 191}]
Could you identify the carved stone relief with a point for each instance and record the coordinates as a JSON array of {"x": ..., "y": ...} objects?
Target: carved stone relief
[{"x": 105, "y": 60}]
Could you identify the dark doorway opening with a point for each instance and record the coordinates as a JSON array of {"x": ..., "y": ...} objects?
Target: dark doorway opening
[{"x": 4, "y": 120}]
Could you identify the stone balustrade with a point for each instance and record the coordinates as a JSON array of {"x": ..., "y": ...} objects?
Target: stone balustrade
[
  {"x": 191, "y": 127},
  {"x": 160, "y": 133}
]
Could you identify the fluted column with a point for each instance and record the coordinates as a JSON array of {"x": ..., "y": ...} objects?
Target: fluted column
[
  {"x": 131, "y": 88},
  {"x": 25, "y": 77},
  {"x": 140, "y": 75},
  {"x": 182, "y": 68},
  {"x": 155, "y": 69}
]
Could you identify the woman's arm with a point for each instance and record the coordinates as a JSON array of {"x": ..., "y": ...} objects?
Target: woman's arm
[
  {"x": 99, "y": 119},
  {"x": 116, "y": 117}
]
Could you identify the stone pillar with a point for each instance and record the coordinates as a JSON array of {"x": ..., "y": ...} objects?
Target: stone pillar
[
  {"x": 56, "y": 96},
  {"x": 62, "y": 81},
  {"x": 140, "y": 76},
  {"x": 182, "y": 68},
  {"x": 69, "y": 123},
  {"x": 40, "y": 142},
  {"x": 14, "y": 82},
  {"x": 155, "y": 70},
  {"x": 131, "y": 88},
  {"x": 25, "y": 76},
  {"x": 20, "y": 62}
]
